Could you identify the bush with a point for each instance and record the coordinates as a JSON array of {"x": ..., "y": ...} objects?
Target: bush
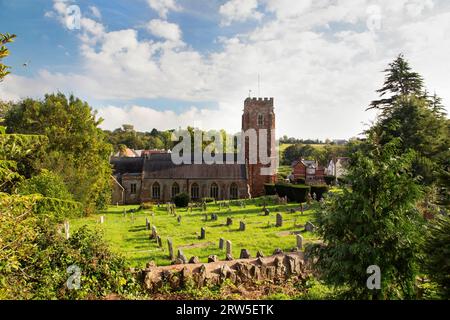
[
  {"x": 329, "y": 180},
  {"x": 319, "y": 190},
  {"x": 181, "y": 200},
  {"x": 208, "y": 199},
  {"x": 270, "y": 189},
  {"x": 48, "y": 184},
  {"x": 146, "y": 206},
  {"x": 281, "y": 189},
  {"x": 300, "y": 181},
  {"x": 343, "y": 181}
]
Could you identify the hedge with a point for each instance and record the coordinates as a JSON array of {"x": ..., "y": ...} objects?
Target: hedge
[
  {"x": 270, "y": 189},
  {"x": 208, "y": 199},
  {"x": 294, "y": 192},
  {"x": 319, "y": 190},
  {"x": 329, "y": 180}
]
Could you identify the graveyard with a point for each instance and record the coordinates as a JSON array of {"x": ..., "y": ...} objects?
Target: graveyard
[{"x": 258, "y": 225}]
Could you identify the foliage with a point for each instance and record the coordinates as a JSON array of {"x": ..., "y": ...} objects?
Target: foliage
[
  {"x": 437, "y": 252},
  {"x": 76, "y": 150},
  {"x": 181, "y": 200},
  {"x": 4, "y": 52},
  {"x": 294, "y": 192},
  {"x": 373, "y": 223},
  {"x": 208, "y": 199},
  {"x": 46, "y": 183}
]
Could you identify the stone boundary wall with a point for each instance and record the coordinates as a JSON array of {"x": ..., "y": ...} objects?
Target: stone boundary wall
[{"x": 274, "y": 268}]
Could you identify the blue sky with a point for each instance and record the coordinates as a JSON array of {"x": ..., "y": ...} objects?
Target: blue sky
[{"x": 173, "y": 63}]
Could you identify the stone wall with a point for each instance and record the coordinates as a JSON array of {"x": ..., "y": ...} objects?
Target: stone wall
[{"x": 276, "y": 268}]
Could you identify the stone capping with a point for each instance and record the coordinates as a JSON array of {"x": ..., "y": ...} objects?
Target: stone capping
[{"x": 274, "y": 268}]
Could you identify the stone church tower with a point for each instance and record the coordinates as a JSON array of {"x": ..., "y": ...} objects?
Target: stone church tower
[{"x": 259, "y": 114}]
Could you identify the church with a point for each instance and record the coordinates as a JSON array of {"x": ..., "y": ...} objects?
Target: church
[{"x": 153, "y": 177}]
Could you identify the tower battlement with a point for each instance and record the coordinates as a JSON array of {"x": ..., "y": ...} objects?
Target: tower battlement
[{"x": 258, "y": 102}]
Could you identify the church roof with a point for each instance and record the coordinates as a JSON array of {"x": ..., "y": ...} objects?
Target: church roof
[{"x": 160, "y": 166}]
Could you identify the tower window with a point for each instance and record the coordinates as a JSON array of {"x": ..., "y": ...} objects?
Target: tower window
[
  {"x": 260, "y": 120},
  {"x": 133, "y": 188}
]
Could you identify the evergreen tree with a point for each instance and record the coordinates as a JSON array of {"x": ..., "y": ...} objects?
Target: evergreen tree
[{"x": 375, "y": 222}]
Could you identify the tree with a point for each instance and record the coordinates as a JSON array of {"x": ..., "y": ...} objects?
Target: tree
[
  {"x": 399, "y": 81},
  {"x": 297, "y": 151},
  {"x": 373, "y": 223},
  {"x": 437, "y": 252},
  {"x": 77, "y": 149},
  {"x": 47, "y": 184},
  {"x": 416, "y": 118},
  {"x": 4, "y": 52}
]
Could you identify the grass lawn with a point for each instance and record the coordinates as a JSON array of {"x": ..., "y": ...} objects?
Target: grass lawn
[{"x": 130, "y": 238}]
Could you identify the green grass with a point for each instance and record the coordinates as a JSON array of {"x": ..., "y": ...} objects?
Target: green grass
[{"x": 131, "y": 239}]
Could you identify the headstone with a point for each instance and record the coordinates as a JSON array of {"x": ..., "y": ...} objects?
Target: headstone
[
  {"x": 279, "y": 220},
  {"x": 260, "y": 254},
  {"x": 212, "y": 258},
  {"x": 194, "y": 260},
  {"x": 181, "y": 256},
  {"x": 242, "y": 226},
  {"x": 266, "y": 211},
  {"x": 229, "y": 257},
  {"x": 169, "y": 244},
  {"x": 154, "y": 232},
  {"x": 102, "y": 219},
  {"x": 202, "y": 233},
  {"x": 159, "y": 241},
  {"x": 124, "y": 212},
  {"x": 301, "y": 207},
  {"x": 67, "y": 229},
  {"x": 147, "y": 224},
  {"x": 179, "y": 219},
  {"x": 229, "y": 221},
  {"x": 314, "y": 196},
  {"x": 244, "y": 254},
  {"x": 221, "y": 243},
  {"x": 299, "y": 241},
  {"x": 309, "y": 227},
  {"x": 229, "y": 247},
  {"x": 206, "y": 217}
]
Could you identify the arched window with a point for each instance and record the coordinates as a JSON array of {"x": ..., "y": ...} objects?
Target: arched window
[
  {"x": 260, "y": 120},
  {"x": 234, "y": 194},
  {"x": 175, "y": 189},
  {"x": 156, "y": 191},
  {"x": 195, "y": 191},
  {"x": 214, "y": 191}
]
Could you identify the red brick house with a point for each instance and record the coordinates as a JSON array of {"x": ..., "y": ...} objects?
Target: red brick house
[{"x": 309, "y": 170}]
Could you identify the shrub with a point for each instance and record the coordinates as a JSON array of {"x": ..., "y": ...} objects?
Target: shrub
[
  {"x": 281, "y": 189},
  {"x": 319, "y": 190},
  {"x": 181, "y": 200},
  {"x": 270, "y": 189},
  {"x": 146, "y": 206},
  {"x": 208, "y": 199},
  {"x": 48, "y": 184},
  {"x": 343, "y": 181},
  {"x": 300, "y": 181},
  {"x": 329, "y": 180}
]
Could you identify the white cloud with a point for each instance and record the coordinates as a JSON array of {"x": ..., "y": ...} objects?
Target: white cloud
[
  {"x": 322, "y": 78},
  {"x": 163, "y": 6},
  {"x": 239, "y": 10},
  {"x": 164, "y": 29}
]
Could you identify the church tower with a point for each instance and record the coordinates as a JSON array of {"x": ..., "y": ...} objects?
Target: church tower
[{"x": 259, "y": 114}]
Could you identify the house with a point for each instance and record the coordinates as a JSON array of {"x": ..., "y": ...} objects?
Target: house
[
  {"x": 337, "y": 167},
  {"x": 308, "y": 170}
]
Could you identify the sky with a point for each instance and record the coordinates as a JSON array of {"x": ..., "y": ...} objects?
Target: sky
[{"x": 168, "y": 64}]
